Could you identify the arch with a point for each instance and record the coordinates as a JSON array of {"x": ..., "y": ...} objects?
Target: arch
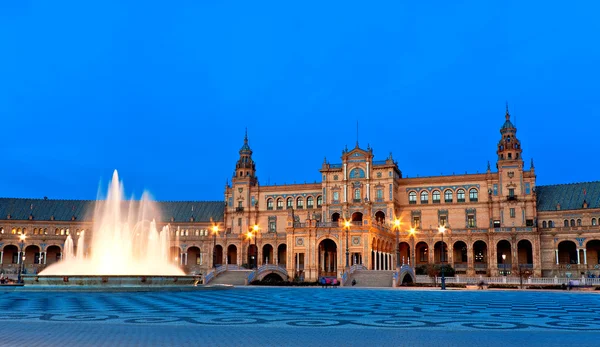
[
  {"x": 380, "y": 217},
  {"x": 566, "y": 223},
  {"x": 594, "y": 223},
  {"x": 310, "y": 202},
  {"x": 53, "y": 254},
  {"x": 503, "y": 247},
  {"x": 412, "y": 197},
  {"x": 252, "y": 256},
  {"x": 473, "y": 194},
  {"x": 448, "y": 195},
  {"x": 440, "y": 254},
  {"x": 319, "y": 201},
  {"x": 525, "y": 252},
  {"x": 232, "y": 256},
  {"x": 327, "y": 258},
  {"x": 279, "y": 203},
  {"x": 299, "y": 202},
  {"x": 459, "y": 252},
  {"x": 335, "y": 217},
  {"x": 194, "y": 256},
  {"x": 404, "y": 250},
  {"x": 572, "y": 222},
  {"x": 422, "y": 253},
  {"x": 269, "y": 204},
  {"x": 544, "y": 224},
  {"x": 460, "y": 195},
  {"x": 357, "y": 217},
  {"x": 282, "y": 254},
  {"x": 267, "y": 254},
  {"x": 567, "y": 252},
  {"x": 424, "y": 197},
  {"x": 357, "y": 173},
  {"x": 272, "y": 278},
  {"x": 593, "y": 252},
  {"x": 578, "y": 222},
  {"x": 436, "y": 196},
  {"x": 480, "y": 256},
  {"x": 32, "y": 254},
  {"x": 10, "y": 255},
  {"x": 289, "y": 203},
  {"x": 550, "y": 224}
]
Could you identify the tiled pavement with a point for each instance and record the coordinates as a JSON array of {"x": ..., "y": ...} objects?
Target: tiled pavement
[{"x": 299, "y": 316}]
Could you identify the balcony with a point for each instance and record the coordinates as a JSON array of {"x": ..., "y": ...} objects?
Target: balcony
[
  {"x": 356, "y": 200},
  {"x": 511, "y": 197},
  {"x": 239, "y": 209}
]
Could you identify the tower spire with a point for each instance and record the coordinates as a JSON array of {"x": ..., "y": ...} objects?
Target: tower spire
[
  {"x": 356, "y": 134},
  {"x": 507, "y": 113}
]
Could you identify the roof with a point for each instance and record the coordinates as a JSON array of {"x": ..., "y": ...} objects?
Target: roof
[
  {"x": 569, "y": 196},
  {"x": 82, "y": 210}
]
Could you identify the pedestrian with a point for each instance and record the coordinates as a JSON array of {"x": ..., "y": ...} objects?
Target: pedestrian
[{"x": 353, "y": 282}]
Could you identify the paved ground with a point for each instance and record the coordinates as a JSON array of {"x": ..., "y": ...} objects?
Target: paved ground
[{"x": 300, "y": 317}]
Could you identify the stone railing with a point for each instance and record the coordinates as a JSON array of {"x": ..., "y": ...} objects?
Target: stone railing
[
  {"x": 509, "y": 280},
  {"x": 350, "y": 271}
]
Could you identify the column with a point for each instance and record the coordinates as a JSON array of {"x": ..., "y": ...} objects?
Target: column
[
  {"x": 584, "y": 257},
  {"x": 45, "y": 256},
  {"x": 19, "y": 258},
  {"x": 556, "y": 252},
  {"x": 1, "y": 256},
  {"x": 376, "y": 260},
  {"x": 578, "y": 258}
]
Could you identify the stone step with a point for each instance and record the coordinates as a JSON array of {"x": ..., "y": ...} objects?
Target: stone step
[
  {"x": 237, "y": 277},
  {"x": 371, "y": 278}
]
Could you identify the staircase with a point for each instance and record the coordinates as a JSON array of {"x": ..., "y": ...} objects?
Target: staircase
[
  {"x": 371, "y": 278},
  {"x": 235, "y": 277}
]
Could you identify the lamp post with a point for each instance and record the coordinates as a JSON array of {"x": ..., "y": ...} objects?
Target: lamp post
[
  {"x": 215, "y": 231},
  {"x": 442, "y": 230},
  {"x": 397, "y": 227},
  {"x": 504, "y": 264},
  {"x": 255, "y": 232},
  {"x": 347, "y": 227},
  {"x": 22, "y": 255},
  {"x": 414, "y": 251}
]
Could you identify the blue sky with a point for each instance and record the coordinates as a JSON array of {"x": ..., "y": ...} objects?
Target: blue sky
[{"x": 163, "y": 91}]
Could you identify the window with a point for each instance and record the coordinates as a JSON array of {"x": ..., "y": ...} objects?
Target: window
[
  {"x": 279, "y": 204},
  {"x": 550, "y": 224},
  {"x": 300, "y": 203},
  {"x": 336, "y": 196},
  {"x": 319, "y": 201},
  {"x": 448, "y": 196},
  {"x": 289, "y": 203},
  {"x": 496, "y": 224},
  {"x": 495, "y": 189},
  {"x": 460, "y": 195},
  {"x": 527, "y": 188},
  {"x": 270, "y": 204},
  {"x": 473, "y": 194},
  {"x": 443, "y": 220},
  {"x": 239, "y": 222},
  {"x": 544, "y": 224},
  {"x": 578, "y": 222},
  {"x": 471, "y": 221},
  {"x": 512, "y": 213},
  {"x": 310, "y": 202},
  {"x": 511, "y": 192},
  {"x": 424, "y": 197},
  {"x": 240, "y": 205},
  {"x": 566, "y": 224},
  {"x": 593, "y": 223},
  {"x": 272, "y": 226},
  {"x": 416, "y": 222},
  {"x": 379, "y": 194},
  {"x": 572, "y": 222},
  {"x": 1, "y": 230},
  {"x": 357, "y": 195},
  {"x": 436, "y": 197},
  {"x": 412, "y": 198}
]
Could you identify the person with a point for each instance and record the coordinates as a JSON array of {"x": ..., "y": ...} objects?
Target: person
[
  {"x": 480, "y": 284},
  {"x": 353, "y": 282}
]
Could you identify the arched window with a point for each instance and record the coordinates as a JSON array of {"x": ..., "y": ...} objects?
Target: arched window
[
  {"x": 594, "y": 221},
  {"x": 280, "y": 204},
  {"x": 424, "y": 197},
  {"x": 269, "y": 204},
  {"x": 472, "y": 194},
  {"x": 460, "y": 195},
  {"x": 289, "y": 203},
  {"x": 319, "y": 201},
  {"x": 310, "y": 202},
  {"x": 544, "y": 224},
  {"x": 357, "y": 173},
  {"x": 299, "y": 203},
  {"x": 412, "y": 198},
  {"x": 550, "y": 224},
  {"x": 572, "y": 222},
  {"x": 436, "y": 196},
  {"x": 566, "y": 223},
  {"x": 357, "y": 195},
  {"x": 578, "y": 222},
  {"x": 448, "y": 196}
]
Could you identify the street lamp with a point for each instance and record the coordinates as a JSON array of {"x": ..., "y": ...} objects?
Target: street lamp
[
  {"x": 442, "y": 230},
  {"x": 414, "y": 251},
  {"x": 21, "y": 245},
  {"x": 255, "y": 232},
  {"x": 397, "y": 227},
  {"x": 215, "y": 231},
  {"x": 347, "y": 227},
  {"x": 504, "y": 263}
]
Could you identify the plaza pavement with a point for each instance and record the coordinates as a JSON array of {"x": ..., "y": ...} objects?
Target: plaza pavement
[{"x": 270, "y": 316}]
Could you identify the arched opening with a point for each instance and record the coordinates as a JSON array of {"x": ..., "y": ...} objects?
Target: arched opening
[
  {"x": 504, "y": 257},
  {"x": 593, "y": 252},
  {"x": 406, "y": 280},
  {"x": 175, "y": 255},
  {"x": 53, "y": 254},
  {"x": 267, "y": 254},
  {"x": 252, "y": 256},
  {"x": 32, "y": 255},
  {"x": 193, "y": 256},
  {"x": 480, "y": 257},
  {"x": 380, "y": 217},
  {"x": 459, "y": 256},
  {"x": 327, "y": 258},
  {"x": 440, "y": 254},
  {"x": 422, "y": 252},
  {"x": 567, "y": 252},
  {"x": 10, "y": 255},
  {"x": 357, "y": 217},
  {"x": 272, "y": 278},
  {"x": 404, "y": 253},
  {"x": 335, "y": 217},
  {"x": 525, "y": 254},
  {"x": 282, "y": 255},
  {"x": 232, "y": 256}
]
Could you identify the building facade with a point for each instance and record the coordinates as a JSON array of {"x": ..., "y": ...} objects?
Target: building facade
[{"x": 362, "y": 212}]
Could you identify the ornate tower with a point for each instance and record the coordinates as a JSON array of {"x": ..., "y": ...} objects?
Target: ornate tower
[{"x": 245, "y": 169}]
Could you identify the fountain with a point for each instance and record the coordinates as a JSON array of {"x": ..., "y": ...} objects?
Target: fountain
[{"x": 126, "y": 247}]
